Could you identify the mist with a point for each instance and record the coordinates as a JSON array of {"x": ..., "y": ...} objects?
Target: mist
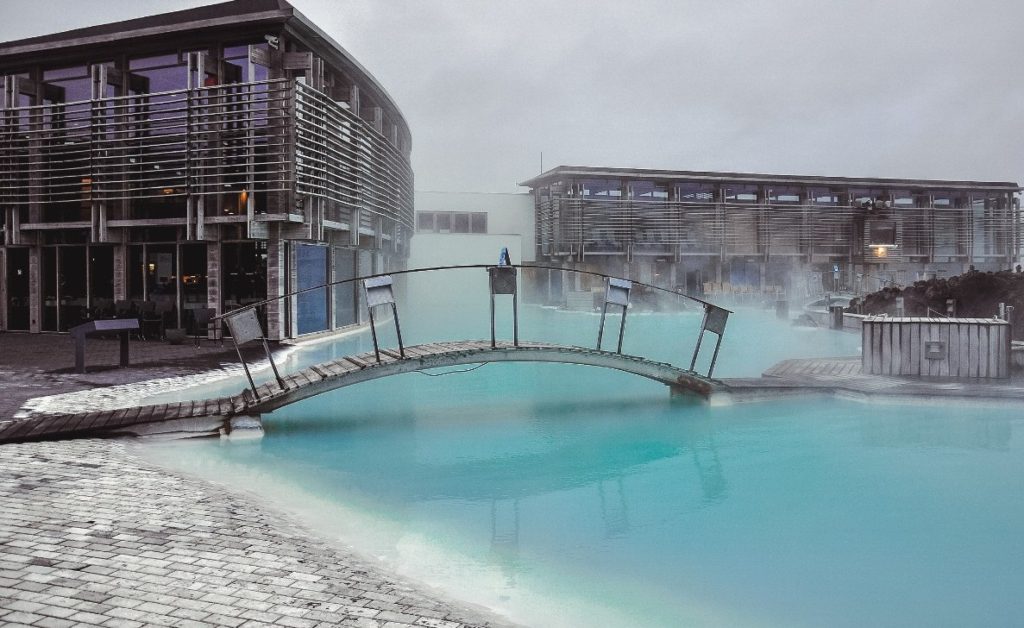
[{"x": 915, "y": 89}]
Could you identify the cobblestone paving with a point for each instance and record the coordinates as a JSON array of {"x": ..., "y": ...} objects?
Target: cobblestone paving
[
  {"x": 92, "y": 536},
  {"x": 37, "y": 374}
]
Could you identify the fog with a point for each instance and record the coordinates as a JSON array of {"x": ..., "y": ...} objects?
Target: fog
[{"x": 917, "y": 88}]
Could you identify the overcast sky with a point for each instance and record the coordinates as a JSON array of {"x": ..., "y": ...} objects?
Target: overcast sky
[{"x": 916, "y": 88}]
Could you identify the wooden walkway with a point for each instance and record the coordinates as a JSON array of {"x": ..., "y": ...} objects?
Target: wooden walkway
[
  {"x": 328, "y": 376},
  {"x": 842, "y": 376},
  {"x": 819, "y": 366}
]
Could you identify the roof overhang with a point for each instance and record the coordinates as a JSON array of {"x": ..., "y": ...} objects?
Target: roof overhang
[
  {"x": 562, "y": 172},
  {"x": 221, "y": 18}
]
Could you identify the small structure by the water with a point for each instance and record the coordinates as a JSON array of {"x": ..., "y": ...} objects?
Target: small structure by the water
[{"x": 936, "y": 347}]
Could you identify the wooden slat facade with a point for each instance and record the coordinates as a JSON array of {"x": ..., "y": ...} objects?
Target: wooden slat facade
[{"x": 960, "y": 347}]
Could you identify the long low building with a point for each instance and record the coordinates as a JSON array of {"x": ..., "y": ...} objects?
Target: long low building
[
  {"x": 742, "y": 233},
  {"x": 199, "y": 160}
]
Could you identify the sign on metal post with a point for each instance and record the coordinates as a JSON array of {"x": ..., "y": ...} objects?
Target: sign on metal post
[
  {"x": 379, "y": 291},
  {"x": 502, "y": 280},
  {"x": 244, "y": 327},
  {"x": 715, "y": 319},
  {"x": 616, "y": 292}
]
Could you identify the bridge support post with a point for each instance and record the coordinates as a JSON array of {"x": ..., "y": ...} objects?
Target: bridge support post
[
  {"x": 503, "y": 281},
  {"x": 379, "y": 292},
  {"x": 715, "y": 319},
  {"x": 617, "y": 293},
  {"x": 243, "y": 427}
]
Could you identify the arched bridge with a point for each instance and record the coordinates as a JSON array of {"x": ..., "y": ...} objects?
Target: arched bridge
[
  {"x": 351, "y": 370},
  {"x": 378, "y": 292},
  {"x": 244, "y": 325}
]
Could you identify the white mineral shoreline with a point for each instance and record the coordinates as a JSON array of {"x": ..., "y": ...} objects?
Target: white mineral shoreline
[{"x": 301, "y": 521}]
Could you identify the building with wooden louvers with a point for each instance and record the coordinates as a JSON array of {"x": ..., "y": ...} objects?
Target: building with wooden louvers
[
  {"x": 936, "y": 347},
  {"x": 196, "y": 160},
  {"x": 741, "y": 234}
]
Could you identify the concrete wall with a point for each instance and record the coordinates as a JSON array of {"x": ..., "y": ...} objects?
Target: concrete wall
[
  {"x": 448, "y": 249},
  {"x": 508, "y": 215}
]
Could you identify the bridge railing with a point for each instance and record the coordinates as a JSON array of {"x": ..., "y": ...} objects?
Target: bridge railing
[{"x": 618, "y": 292}]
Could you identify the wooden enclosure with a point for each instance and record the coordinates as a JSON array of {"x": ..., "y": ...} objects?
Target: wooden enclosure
[{"x": 936, "y": 347}]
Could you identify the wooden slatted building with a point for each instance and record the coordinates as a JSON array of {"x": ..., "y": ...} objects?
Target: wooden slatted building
[
  {"x": 740, "y": 233},
  {"x": 195, "y": 160},
  {"x": 956, "y": 348}
]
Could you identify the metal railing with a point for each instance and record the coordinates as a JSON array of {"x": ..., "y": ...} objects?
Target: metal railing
[{"x": 715, "y": 317}]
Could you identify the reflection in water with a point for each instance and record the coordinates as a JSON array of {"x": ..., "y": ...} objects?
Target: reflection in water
[
  {"x": 967, "y": 431},
  {"x": 709, "y": 470},
  {"x": 553, "y": 483},
  {"x": 614, "y": 512},
  {"x": 505, "y": 538},
  {"x": 681, "y": 515}
]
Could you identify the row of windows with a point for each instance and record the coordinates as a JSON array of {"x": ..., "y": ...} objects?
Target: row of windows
[
  {"x": 451, "y": 222},
  {"x": 776, "y": 194}
]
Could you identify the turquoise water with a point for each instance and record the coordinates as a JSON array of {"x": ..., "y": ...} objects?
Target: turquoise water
[{"x": 571, "y": 496}]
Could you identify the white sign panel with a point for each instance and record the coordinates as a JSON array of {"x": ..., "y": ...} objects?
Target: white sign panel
[{"x": 244, "y": 326}]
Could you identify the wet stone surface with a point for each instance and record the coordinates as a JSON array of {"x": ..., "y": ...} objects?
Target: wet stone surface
[
  {"x": 92, "y": 535},
  {"x": 36, "y": 367}
]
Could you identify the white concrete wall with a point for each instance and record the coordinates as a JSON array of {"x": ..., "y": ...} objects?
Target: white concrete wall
[
  {"x": 449, "y": 249},
  {"x": 510, "y": 216}
]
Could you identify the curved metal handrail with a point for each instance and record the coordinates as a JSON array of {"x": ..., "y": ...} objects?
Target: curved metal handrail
[
  {"x": 410, "y": 271},
  {"x": 714, "y": 316}
]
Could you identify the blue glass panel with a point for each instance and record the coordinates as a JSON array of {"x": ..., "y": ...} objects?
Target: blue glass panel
[{"x": 311, "y": 307}]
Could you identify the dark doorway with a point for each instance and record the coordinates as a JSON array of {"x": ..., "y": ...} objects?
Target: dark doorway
[{"x": 17, "y": 290}]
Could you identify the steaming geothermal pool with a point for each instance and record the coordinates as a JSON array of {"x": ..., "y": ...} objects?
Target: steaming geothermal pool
[{"x": 563, "y": 495}]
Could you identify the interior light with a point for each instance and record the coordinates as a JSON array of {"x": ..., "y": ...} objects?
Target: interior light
[
  {"x": 152, "y": 267},
  {"x": 881, "y": 251}
]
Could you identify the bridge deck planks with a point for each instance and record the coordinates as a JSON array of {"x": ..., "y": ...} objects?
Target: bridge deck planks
[
  {"x": 467, "y": 351},
  {"x": 348, "y": 370}
]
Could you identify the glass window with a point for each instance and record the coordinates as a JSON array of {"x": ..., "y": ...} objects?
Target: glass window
[
  {"x": 649, "y": 190},
  {"x": 784, "y": 194},
  {"x": 236, "y": 52},
  {"x": 460, "y": 223},
  {"x": 902, "y": 198},
  {"x": 424, "y": 221},
  {"x": 881, "y": 233},
  {"x": 864, "y": 197},
  {"x": 823, "y": 196},
  {"x": 311, "y": 271},
  {"x": 478, "y": 222},
  {"x": 741, "y": 194},
  {"x": 67, "y": 84},
  {"x": 700, "y": 192},
  {"x": 443, "y": 223},
  {"x": 152, "y": 75},
  {"x": 153, "y": 62},
  {"x": 601, "y": 187},
  {"x": 344, "y": 294},
  {"x": 244, "y": 273},
  {"x": 18, "y": 295}
]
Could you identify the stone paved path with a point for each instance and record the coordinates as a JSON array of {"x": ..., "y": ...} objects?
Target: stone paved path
[
  {"x": 90, "y": 535},
  {"x": 33, "y": 365}
]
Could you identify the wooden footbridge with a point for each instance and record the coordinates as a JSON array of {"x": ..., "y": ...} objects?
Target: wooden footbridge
[
  {"x": 378, "y": 291},
  {"x": 350, "y": 370},
  {"x": 244, "y": 326}
]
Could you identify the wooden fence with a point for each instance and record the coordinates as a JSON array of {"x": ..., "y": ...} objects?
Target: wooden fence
[{"x": 936, "y": 347}]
